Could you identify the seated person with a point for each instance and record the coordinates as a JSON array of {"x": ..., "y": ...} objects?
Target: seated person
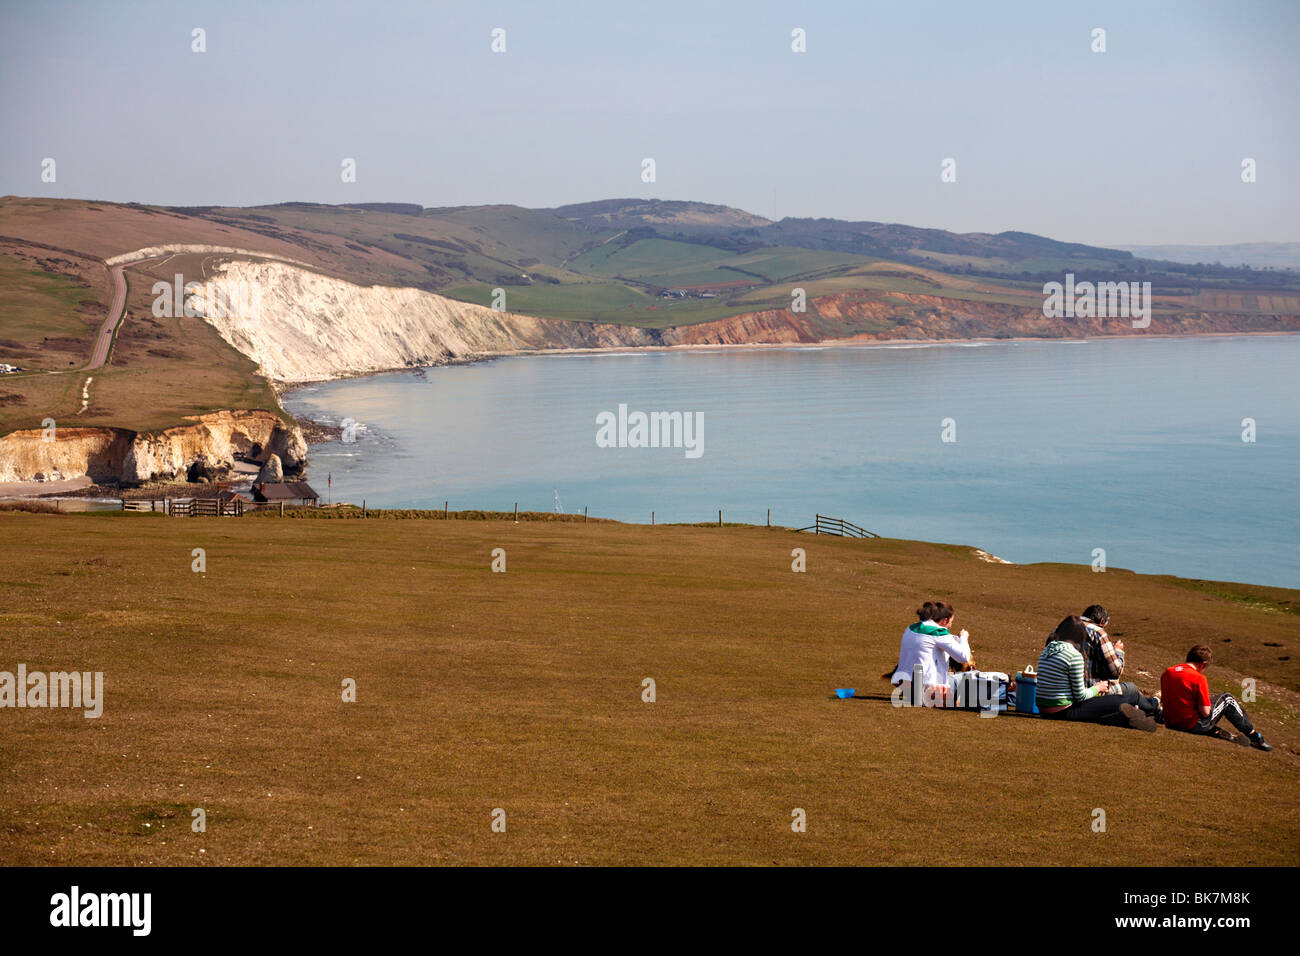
[
  {"x": 924, "y": 652},
  {"x": 1062, "y": 694},
  {"x": 1189, "y": 706},
  {"x": 1104, "y": 660}
]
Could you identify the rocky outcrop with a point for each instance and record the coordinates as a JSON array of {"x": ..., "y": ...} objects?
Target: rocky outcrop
[
  {"x": 271, "y": 470},
  {"x": 117, "y": 454},
  {"x": 203, "y": 468}
]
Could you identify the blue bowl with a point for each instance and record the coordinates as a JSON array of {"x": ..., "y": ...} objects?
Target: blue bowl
[{"x": 844, "y": 693}]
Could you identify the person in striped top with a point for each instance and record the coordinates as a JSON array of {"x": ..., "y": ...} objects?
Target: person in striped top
[
  {"x": 1104, "y": 659},
  {"x": 1063, "y": 693}
]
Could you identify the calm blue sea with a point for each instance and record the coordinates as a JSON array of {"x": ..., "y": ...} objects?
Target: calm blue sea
[{"x": 1132, "y": 445}]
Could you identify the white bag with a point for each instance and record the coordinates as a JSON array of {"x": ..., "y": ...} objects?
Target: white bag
[{"x": 984, "y": 691}]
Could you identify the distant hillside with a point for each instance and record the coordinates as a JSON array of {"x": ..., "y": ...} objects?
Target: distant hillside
[
  {"x": 670, "y": 215},
  {"x": 1257, "y": 255},
  {"x": 626, "y": 260}
]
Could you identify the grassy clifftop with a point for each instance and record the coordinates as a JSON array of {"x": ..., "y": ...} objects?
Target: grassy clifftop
[{"x": 523, "y": 690}]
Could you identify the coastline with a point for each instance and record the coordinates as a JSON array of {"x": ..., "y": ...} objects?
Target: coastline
[{"x": 284, "y": 388}]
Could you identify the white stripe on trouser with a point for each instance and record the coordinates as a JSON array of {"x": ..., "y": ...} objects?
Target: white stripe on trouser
[{"x": 1236, "y": 713}]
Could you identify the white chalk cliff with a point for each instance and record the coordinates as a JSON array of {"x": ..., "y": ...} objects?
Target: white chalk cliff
[{"x": 301, "y": 326}]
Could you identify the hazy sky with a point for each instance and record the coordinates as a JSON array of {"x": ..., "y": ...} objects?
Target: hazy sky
[{"x": 1140, "y": 144}]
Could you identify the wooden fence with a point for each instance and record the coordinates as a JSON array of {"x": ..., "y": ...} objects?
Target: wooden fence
[
  {"x": 838, "y": 526},
  {"x": 188, "y": 507}
]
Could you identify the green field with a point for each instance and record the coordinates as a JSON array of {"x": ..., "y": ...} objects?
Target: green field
[
  {"x": 523, "y": 691},
  {"x": 595, "y": 301},
  {"x": 649, "y": 257},
  {"x": 671, "y": 264},
  {"x": 600, "y": 302}
]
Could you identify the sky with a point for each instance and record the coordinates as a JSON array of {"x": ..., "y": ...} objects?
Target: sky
[{"x": 1141, "y": 143}]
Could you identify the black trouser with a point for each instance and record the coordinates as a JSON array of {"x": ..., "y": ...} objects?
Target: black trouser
[
  {"x": 1102, "y": 709},
  {"x": 1224, "y": 705},
  {"x": 1131, "y": 695}
]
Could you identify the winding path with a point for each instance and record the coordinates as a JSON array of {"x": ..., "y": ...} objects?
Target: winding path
[{"x": 116, "y": 311}]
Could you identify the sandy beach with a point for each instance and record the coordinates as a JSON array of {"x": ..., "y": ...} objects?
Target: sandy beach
[{"x": 32, "y": 489}]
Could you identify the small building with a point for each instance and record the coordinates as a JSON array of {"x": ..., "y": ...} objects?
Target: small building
[{"x": 288, "y": 492}]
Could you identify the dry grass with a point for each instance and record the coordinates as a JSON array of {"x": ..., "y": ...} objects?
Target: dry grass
[
  {"x": 161, "y": 370},
  {"x": 33, "y": 507},
  {"x": 523, "y": 691}
]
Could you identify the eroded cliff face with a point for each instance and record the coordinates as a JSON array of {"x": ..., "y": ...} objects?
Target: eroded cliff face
[
  {"x": 886, "y": 316},
  {"x": 117, "y": 454},
  {"x": 301, "y": 326}
]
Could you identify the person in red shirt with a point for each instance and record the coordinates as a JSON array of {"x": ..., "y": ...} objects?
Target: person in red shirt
[{"x": 1185, "y": 694}]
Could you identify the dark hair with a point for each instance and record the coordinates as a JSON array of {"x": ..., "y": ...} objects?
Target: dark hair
[
  {"x": 934, "y": 611},
  {"x": 1200, "y": 654},
  {"x": 1072, "y": 631},
  {"x": 1096, "y": 613}
]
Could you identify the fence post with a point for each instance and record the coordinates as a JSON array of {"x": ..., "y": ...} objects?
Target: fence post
[
  {"x": 281, "y": 509},
  {"x": 769, "y": 517},
  {"x": 516, "y": 512},
  {"x": 719, "y": 517},
  {"x": 123, "y": 504},
  {"x": 652, "y": 519},
  {"x": 364, "y": 513},
  {"x": 444, "y": 510}
]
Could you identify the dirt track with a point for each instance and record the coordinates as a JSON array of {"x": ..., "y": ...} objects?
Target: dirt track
[{"x": 104, "y": 339}]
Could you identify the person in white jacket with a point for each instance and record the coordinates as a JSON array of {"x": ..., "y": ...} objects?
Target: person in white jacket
[{"x": 924, "y": 651}]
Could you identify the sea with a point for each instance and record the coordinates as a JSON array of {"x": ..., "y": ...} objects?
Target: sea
[{"x": 1177, "y": 455}]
